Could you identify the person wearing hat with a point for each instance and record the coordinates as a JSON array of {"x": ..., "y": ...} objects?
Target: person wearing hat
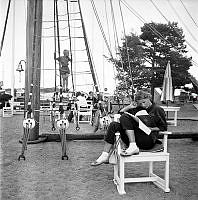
[
  {"x": 64, "y": 69},
  {"x": 130, "y": 133}
]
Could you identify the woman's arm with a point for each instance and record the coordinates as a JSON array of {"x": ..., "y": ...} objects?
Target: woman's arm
[
  {"x": 130, "y": 106},
  {"x": 161, "y": 119},
  {"x": 154, "y": 129}
]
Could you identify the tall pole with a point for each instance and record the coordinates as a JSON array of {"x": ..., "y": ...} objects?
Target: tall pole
[
  {"x": 13, "y": 56},
  {"x": 37, "y": 66},
  {"x": 33, "y": 54},
  {"x": 55, "y": 74},
  {"x": 58, "y": 38},
  {"x": 29, "y": 48}
]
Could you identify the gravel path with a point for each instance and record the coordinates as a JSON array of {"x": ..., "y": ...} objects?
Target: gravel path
[{"x": 44, "y": 176}]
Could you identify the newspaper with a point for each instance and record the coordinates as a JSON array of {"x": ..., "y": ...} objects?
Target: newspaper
[{"x": 142, "y": 126}]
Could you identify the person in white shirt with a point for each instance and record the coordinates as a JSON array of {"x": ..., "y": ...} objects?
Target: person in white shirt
[{"x": 81, "y": 100}]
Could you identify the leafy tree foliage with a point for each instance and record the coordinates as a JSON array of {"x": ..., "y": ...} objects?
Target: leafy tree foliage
[
  {"x": 166, "y": 43},
  {"x": 143, "y": 59},
  {"x": 132, "y": 73}
]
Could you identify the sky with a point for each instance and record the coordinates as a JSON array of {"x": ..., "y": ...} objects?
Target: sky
[{"x": 138, "y": 12}]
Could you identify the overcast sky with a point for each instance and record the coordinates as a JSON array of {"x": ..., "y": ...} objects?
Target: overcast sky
[{"x": 141, "y": 11}]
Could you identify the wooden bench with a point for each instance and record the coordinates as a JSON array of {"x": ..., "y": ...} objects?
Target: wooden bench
[
  {"x": 168, "y": 109},
  {"x": 7, "y": 111}
]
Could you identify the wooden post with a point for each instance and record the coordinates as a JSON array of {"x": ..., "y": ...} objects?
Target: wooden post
[
  {"x": 13, "y": 57},
  {"x": 33, "y": 67},
  {"x": 29, "y": 48}
]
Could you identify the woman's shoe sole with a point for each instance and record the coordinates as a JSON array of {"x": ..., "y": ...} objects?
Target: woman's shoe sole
[{"x": 129, "y": 154}]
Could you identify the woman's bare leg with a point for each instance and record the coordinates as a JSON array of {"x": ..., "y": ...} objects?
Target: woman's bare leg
[{"x": 132, "y": 149}]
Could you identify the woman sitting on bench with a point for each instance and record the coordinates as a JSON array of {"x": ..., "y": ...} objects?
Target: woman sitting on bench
[{"x": 130, "y": 133}]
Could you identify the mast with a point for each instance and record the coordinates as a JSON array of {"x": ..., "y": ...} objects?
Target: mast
[
  {"x": 33, "y": 58},
  {"x": 13, "y": 56}
]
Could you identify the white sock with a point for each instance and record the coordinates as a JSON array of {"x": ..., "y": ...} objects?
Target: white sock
[
  {"x": 103, "y": 157},
  {"x": 132, "y": 146}
]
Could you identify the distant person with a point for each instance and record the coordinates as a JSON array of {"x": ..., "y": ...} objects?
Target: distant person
[
  {"x": 101, "y": 112},
  {"x": 80, "y": 102},
  {"x": 64, "y": 69},
  {"x": 94, "y": 100}
]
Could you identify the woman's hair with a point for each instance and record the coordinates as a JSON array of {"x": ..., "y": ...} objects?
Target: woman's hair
[{"x": 141, "y": 94}]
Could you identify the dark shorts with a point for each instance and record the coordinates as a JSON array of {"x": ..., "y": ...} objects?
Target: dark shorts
[{"x": 65, "y": 70}]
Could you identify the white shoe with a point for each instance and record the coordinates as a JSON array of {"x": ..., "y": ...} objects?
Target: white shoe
[
  {"x": 104, "y": 158},
  {"x": 130, "y": 152}
]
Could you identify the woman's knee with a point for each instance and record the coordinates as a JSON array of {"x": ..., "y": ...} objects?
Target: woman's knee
[
  {"x": 127, "y": 122},
  {"x": 110, "y": 135},
  {"x": 114, "y": 125}
]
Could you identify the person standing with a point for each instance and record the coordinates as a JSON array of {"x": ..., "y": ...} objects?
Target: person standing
[{"x": 64, "y": 69}]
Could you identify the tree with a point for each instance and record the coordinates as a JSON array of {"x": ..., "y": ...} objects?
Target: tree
[
  {"x": 165, "y": 42},
  {"x": 132, "y": 73},
  {"x": 143, "y": 59}
]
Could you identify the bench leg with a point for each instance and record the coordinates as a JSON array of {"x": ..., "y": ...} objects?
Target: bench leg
[
  {"x": 166, "y": 177},
  {"x": 121, "y": 183},
  {"x": 115, "y": 172},
  {"x": 150, "y": 168}
]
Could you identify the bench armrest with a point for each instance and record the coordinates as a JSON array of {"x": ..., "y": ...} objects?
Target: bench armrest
[
  {"x": 165, "y": 132},
  {"x": 165, "y": 139}
]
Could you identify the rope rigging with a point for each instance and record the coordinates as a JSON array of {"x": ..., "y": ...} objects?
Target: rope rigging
[
  {"x": 57, "y": 29},
  {"x": 71, "y": 38},
  {"x": 57, "y": 49},
  {"x": 89, "y": 55},
  {"x": 176, "y": 31},
  {"x": 101, "y": 28},
  {"x": 108, "y": 31},
  {"x": 176, "y": 13},
  {"x": 70, "y": 44},
  {"x": 189, "y": 13},
  {"x": 102, "y": 32},
  {"x": 152, "y": 28},
  {"x": 144, "y": 21},
  {"x": 118, "y": 49},
  {"x": 127, "y": 50},
  {"x": 5, "y": 26}
]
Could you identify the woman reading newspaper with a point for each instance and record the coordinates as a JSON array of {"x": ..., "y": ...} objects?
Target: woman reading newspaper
[{"x": 139, "y": 127}]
